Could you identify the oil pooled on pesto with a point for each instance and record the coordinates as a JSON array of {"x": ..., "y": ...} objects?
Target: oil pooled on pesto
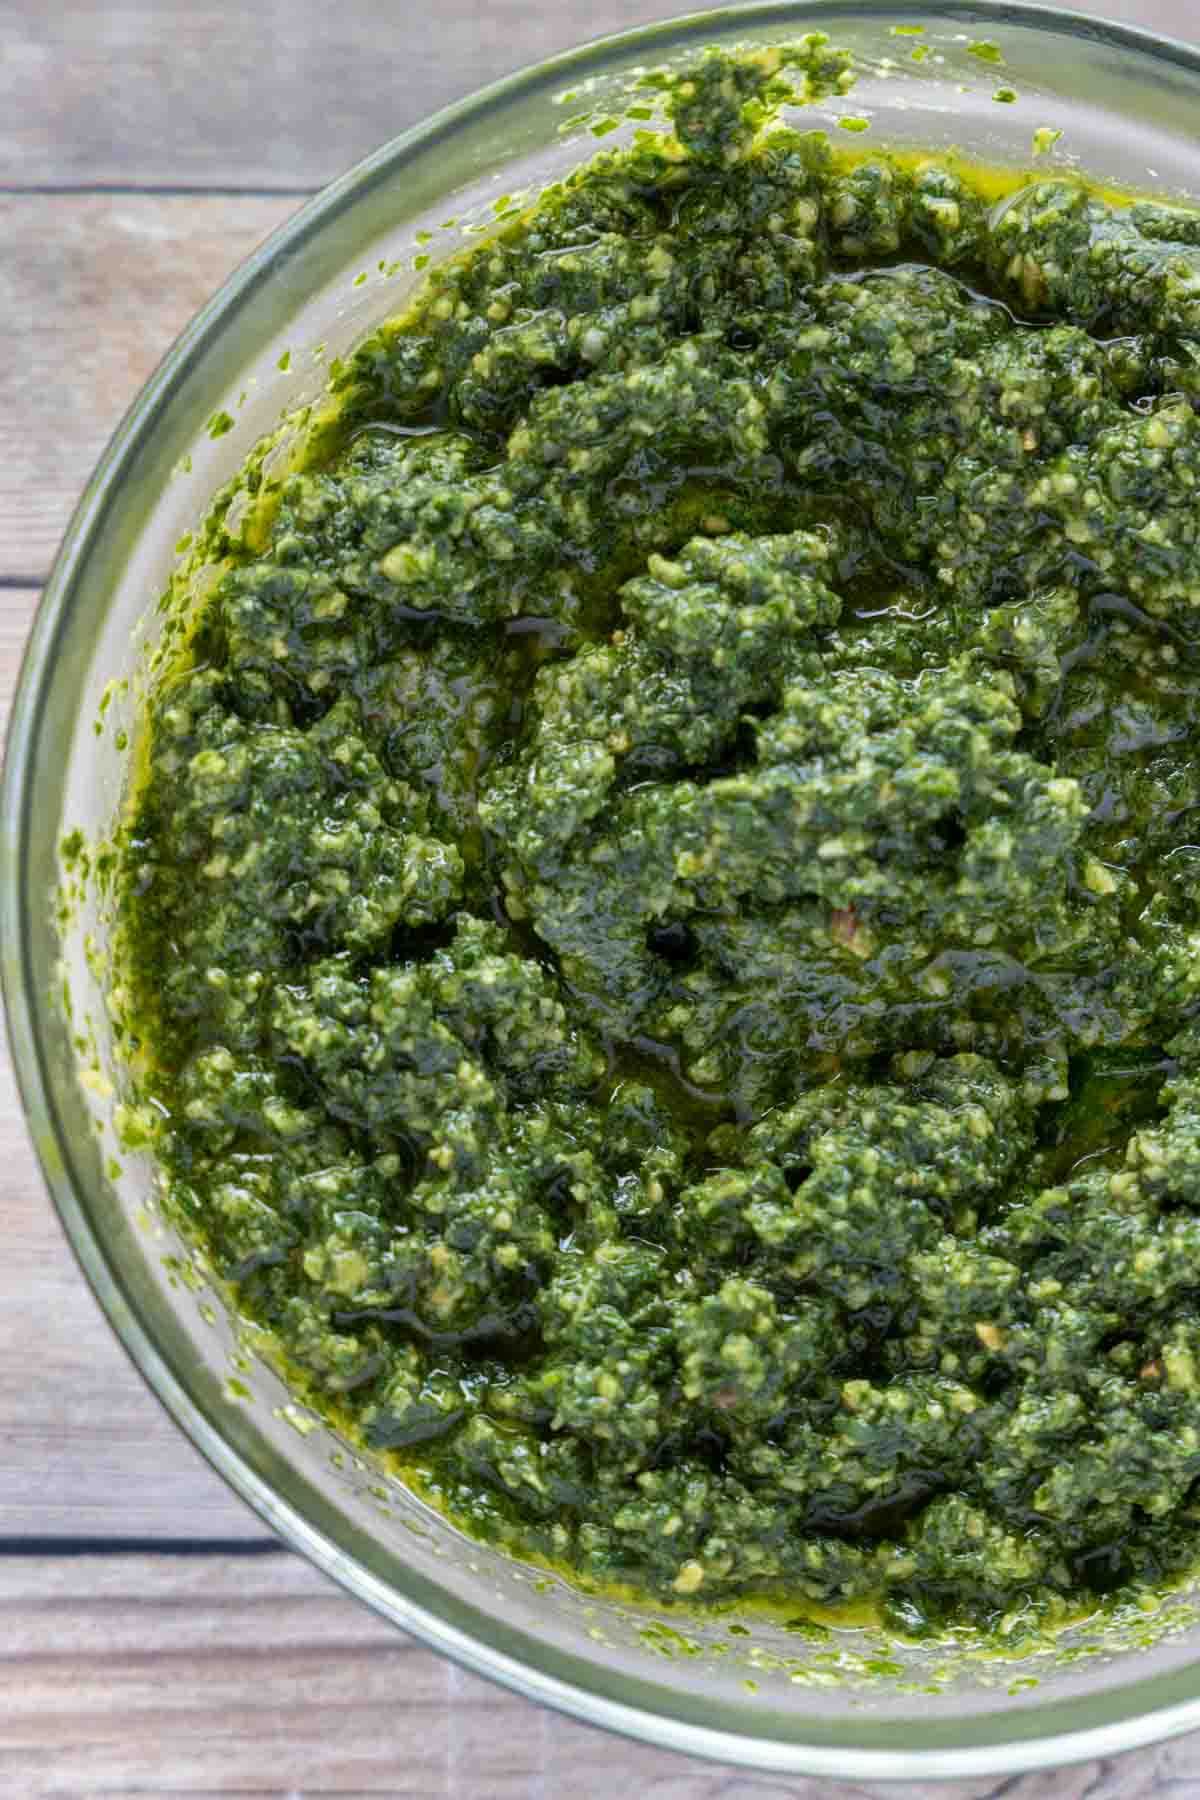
[{"x": 663, "y": 907}]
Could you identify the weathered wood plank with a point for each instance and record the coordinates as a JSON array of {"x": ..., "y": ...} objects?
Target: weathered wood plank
[
  {"x": 211, "y": 94},
  {"x": 93, "y": 290},
  {"x": 16, "y": 611},
  {"x": 236, "y": 1675},
  {"x": 184, "y": 92}
]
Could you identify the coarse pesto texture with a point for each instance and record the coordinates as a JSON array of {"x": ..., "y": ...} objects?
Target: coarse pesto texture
[{"x": 662, "y": 919}]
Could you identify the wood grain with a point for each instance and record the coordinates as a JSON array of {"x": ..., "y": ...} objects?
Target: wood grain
[
  {"x": 195, "y": 94},
  {"x": 254, "y": 1675},
  {"x": 93, "y": 291},
  {"x": 16, "y": 611}
]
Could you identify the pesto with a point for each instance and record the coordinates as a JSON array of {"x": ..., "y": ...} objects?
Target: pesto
[{"x": 661, "y": 915}]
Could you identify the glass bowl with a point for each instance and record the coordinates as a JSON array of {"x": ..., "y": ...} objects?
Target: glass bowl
[{"x": 737, "y": 1688}]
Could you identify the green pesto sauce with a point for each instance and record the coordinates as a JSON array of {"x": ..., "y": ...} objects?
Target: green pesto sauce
[{"x": 662, "y": 911}]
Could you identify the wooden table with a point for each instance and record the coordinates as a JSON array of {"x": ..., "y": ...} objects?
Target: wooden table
[{"x": 152, "y": 1639}]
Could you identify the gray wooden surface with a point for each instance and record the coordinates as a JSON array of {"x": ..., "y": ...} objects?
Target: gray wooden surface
[{"x": 151, "y": 1640}]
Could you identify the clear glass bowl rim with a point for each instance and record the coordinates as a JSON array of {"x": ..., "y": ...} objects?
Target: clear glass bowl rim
[{"x": 1138, "y": 1712}]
